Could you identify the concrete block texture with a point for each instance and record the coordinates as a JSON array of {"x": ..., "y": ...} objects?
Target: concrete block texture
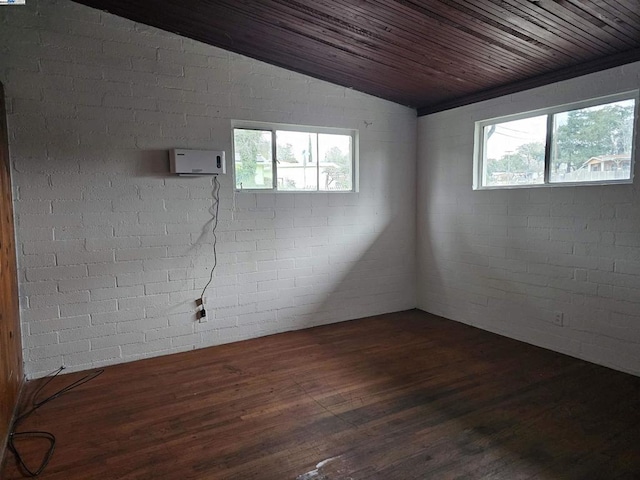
[
  {"x": 113, "y": 250},
  {"x": 512, "y": 261}
]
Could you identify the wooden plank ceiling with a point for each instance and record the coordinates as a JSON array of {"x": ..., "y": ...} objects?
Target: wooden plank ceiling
[{"x": 429, "y": 54}]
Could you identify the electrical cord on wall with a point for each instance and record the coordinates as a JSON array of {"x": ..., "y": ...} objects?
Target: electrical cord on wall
[
  {"x": 13, "y": 435},
  {"x": 216, "y": 207}
]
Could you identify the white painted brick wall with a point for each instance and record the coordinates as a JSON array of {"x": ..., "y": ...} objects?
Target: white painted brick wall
[
  {"x": 113, "y": 250},
  {"x": 507, "y": 260}
]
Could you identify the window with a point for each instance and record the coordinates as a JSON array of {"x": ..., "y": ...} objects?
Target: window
[
  {"x": 294, "y": 158},
  {"x": 590, "y": 142}
]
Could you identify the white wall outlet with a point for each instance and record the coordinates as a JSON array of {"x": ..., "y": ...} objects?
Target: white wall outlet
[{"x": 558, "y": 319}]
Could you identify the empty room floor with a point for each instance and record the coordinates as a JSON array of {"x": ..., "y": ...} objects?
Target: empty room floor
[{"x": 399, "y": 396}]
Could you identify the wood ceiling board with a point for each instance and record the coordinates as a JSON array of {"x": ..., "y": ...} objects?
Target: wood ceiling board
[
  {"x": 406, "y": 45},
  {"x": 583, "y": 22},
  {"x": 403, "y": 54},
  {"x": 509, "y": 30},
  {"x": 516, "y": 78},
  {"x": 281, "y": 41},
  {"x": 612, "y": 21},
  {"x": 394, "y": 75},
  {"x": 445, "y": 38},
  {"x": 443, "y": 94},
  {"x": 439, "y": 45},
  {"x": 613, "y": 17},
  {"x": 557, "y": 24},
  {"x": 476, "y": 39},
  {"x": 556, "y": 35},
  {"x": 318, "y": 61},
  {"x": 408, "y": 90},
  {"x": 413, "y": 52},
  {"x": 387, "y": 48},
  {"x": 366, "y": 45},
  {"x": 553, "y": 77},
  {"x": 627, "y": 9}
]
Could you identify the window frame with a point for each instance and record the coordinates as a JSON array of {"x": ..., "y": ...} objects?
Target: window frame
[
  {"x": 479, "y": 144},
  {"x": 273, "y": 128}
]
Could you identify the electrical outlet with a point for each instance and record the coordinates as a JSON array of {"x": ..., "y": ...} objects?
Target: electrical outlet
[{"x": 558, "y": 319}]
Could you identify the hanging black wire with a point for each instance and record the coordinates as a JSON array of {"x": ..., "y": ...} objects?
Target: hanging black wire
[
  {"x": 13, "y": 435},
  {"x": 216, "y": 206}
]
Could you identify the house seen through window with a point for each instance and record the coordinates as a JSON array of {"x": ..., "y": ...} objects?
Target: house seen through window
[
  {"x": 287, "y": 158},
  {"x": 592, "y": 142}
]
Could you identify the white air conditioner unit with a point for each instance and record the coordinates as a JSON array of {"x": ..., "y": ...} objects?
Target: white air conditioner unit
[{"x": 197, "y": 162}]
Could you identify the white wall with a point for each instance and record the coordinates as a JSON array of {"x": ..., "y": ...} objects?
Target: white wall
[
  {"x": 113, "y": 250},
  {"x": 507, "y": 260}
]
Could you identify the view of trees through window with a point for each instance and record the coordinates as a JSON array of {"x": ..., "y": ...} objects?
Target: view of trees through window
[
  {"x": 590, "y": 142},
  {"x": 515, "y": 152},
  {"x": 253, "y": 161},
  {"x": 587, "y": 144},
  {"x": 304, "y": 161}
]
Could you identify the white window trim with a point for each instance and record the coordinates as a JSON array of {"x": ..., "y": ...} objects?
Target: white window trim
[
  {"x": 478, "y": 150},
  {"x": 272, "y": 127}
]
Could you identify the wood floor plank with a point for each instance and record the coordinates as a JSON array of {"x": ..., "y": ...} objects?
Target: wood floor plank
[{"x": 400, "y": 396}]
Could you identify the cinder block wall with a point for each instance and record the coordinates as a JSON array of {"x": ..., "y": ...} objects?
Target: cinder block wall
[
  {"x": 113, "y": 250},
  {"x": 508, "y": 260}
]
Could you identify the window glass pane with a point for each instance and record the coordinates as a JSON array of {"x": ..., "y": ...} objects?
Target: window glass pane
[
  {"x": 336, "y": 166},
  {"x": 514, "y": 152},
  {"x": 297, "y": 155},
  {"x": 253, "y": 158},
  {"x": 593, "y": 144}
]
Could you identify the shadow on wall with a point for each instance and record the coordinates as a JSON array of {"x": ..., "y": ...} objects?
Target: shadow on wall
[
  {"x": 153, "y": 163},
  {"x": 132, "y": 250},
  {"x": 378, "y": 280},
  {"x": 430, "y": 249},
  {"x": 367, "y": 268},
  {"x": 483, "y": 263}
]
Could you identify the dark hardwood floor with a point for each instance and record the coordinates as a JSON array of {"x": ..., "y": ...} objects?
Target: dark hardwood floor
[{"x": 399, "y": 396}]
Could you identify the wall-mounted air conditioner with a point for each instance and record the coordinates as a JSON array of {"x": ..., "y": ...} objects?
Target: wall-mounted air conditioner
[{"x": 197, "y": 162}]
